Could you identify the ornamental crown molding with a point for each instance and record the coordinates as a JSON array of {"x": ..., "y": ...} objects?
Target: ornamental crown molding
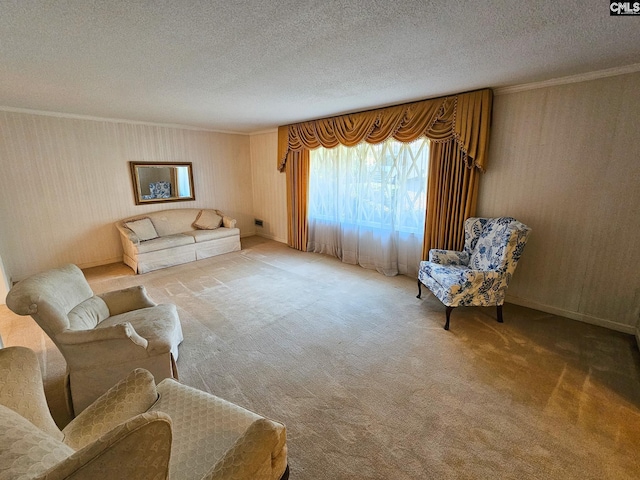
[{"x": 582, "y": 77}]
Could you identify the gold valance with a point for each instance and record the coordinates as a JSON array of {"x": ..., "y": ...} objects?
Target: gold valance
[{"x": 464, "y": 117}]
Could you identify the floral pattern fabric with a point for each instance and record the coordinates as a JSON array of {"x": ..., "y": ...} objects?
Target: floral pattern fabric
[
  {"x": 480, "y": 274},
  {"x": 160, "y": 190}
]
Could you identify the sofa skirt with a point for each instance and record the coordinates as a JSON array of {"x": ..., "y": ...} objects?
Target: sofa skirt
[
  {"x": 220, "y": 246},
  {"x": 150, "y": 261},
  {"x": 147, "y": 262}
]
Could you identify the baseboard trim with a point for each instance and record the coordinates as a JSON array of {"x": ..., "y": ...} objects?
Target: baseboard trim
[
  {"x": 99, "y": 263},
  {"x": 581, "y": 317},
  {"x": 271, "y": 237}
]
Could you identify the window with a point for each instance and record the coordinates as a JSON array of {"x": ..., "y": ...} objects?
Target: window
[{"x": 369, "y": 198}]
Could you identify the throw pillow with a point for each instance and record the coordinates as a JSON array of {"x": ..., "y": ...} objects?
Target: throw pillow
[
  {"x": 207, "y": 220},
  {"x": 143, "y": 228}
]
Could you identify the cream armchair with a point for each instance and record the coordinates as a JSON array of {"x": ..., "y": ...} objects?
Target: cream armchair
[
  {"x": 480, "y": 274},
  {"x": 102, "y": 337},
  {"x": 135, "y": 431}
]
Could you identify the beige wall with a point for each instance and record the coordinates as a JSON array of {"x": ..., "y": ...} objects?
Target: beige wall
[
  {"x": 65, "y": 181},
  {"x": 563, "y": 159},
  {"x": 269, "y": 187},
  {"x": 566, "y": 161}
]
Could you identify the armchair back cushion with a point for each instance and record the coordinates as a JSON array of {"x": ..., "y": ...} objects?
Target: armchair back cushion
[
  {"x": 491, "y": 244},
  {"x": 88, "y": 314},
  {"x": 498, "y": 247}
]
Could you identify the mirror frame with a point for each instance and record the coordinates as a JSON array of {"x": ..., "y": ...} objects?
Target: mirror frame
[{"x": 137, "y": 191}]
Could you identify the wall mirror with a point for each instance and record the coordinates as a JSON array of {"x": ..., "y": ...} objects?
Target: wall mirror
[{"x": 155, "y": 182}]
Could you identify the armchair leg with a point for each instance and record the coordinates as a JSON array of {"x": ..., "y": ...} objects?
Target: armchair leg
[
  {"x": 285, "y": 475},
  {"x": 446, "y": 325},
  {"x": 419, "y": 289},
  {"x": 500, "y": 314}
]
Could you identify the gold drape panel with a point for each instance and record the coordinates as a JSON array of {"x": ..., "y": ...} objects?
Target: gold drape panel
[
  {"x": 297, "y": 197},
  {"x": 451, "y": 197},
  {"x": 458, "y": 127}
]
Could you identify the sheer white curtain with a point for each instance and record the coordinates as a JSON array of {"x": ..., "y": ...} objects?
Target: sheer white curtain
[{"x": 367, "y": 204}]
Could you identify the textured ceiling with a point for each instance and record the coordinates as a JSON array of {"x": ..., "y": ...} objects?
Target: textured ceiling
[{"x": 247, "y": 66}]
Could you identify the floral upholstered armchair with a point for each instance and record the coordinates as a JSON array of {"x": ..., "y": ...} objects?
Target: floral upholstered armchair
[
  {"x": 480, "y": 274},
  {"x": 160, "y": 189}
]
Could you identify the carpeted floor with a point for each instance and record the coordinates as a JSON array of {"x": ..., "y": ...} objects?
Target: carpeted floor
[{"x": 369, "y": 384}]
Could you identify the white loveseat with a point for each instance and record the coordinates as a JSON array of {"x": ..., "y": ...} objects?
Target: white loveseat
[{"x": 170, "y": 237}]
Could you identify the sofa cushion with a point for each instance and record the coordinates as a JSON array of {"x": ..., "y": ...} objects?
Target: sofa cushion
[
  {"x": 171, "y": 222},
  {"x": 88, "y": 314},
  {"x": 25, "y": 450},
  {"x": 206, "y": 235},
  {"x": 162, "y": 243},
  {"x": 207, "y": 220},
  {"x": 143, "y": 228}
]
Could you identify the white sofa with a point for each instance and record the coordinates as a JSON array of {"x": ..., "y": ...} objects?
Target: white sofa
[{"x": 165, "y": 238}]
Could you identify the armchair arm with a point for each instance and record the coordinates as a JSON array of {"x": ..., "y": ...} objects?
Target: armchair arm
[
  {"x": 84, "y": 349},
  {"x": 138, "y": 449},
  {"x": 247, "y": 454},
  {"x": 228, "y": 222},
  {"x": 448, "y": 257},
  {"x": 131, "y": 396},
  {"x": 127, "y": 234},
  {"x": 114, "y": 332},
  {"x": 126, "y": 300}
]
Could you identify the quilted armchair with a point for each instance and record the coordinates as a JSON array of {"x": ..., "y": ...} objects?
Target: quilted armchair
[
  {"x": 480, "y": 274},
  {"x": 135, "y": 431},
  {"x": 102, "y": 337}
]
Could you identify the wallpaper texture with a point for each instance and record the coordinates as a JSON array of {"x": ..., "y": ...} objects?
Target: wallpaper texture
[
  {"x": 64, "y": 183},
  {"x": 269, "y": 187},
  {"x": 565, "y": 160}
]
